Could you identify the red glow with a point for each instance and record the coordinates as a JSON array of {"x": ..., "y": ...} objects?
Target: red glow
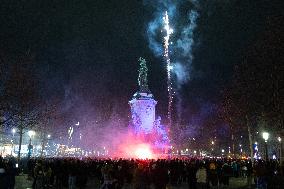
[
  {"x": 134, "y": 147},
  {"x": 143, "y": 151}
]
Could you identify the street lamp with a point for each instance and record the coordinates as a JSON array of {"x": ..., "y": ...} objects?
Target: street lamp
[
  {"x": 31, "y": 134},
  {"x": 280, "y": 149},
  {"x": 186, "y": 150},
  {"x": 12, "y": 141},
  {"x": 212, "y": 147},
  {"x": 212, "y": 143},
  {"x": 13, "y": 131},
  {"x": 265, "y": 136}
]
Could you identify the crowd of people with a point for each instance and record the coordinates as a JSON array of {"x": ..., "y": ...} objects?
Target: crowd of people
[
  {"x": 143, "y": 174},
  {"x": 8, "y": 173}
]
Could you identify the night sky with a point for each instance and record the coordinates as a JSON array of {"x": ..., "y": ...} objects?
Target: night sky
[{"x": 86, "y": 52}]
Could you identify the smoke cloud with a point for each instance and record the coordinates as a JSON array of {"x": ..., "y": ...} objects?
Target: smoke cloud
[
  {"x": 181, "y": 41},
  {"x": 185, "y": 42},
  {"x": 155, "y": 26}
]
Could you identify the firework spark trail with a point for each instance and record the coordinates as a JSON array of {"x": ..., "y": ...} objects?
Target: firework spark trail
[{"x": 169, "y": 31}]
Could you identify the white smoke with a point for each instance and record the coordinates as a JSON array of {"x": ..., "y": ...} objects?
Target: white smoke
[
  {"x": 184, "y": 45},
  {"x": 181, "y": 42},
  {"x": 155, "y": 26},
  {"x": 186, "y": 40},
  {"x": 155, "y": 46},
  {"x": 182, "y": 72}
]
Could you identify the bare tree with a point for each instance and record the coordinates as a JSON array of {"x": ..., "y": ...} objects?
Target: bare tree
[
  {"x": 22, "y": 95},
  {"x": 257, "y": 89},
  {"x": 4, "y": 104},
  {"x": 47, "y": 122}
]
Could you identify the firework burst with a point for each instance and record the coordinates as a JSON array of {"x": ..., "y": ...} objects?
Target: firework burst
[{"x": 169, "y": 31}]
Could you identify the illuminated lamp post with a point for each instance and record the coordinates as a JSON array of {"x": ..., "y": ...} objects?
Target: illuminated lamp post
[
  {"x": 280, "y": 149},
  {"x": 48, "y": 142},
  {"x": 12, "y": 141},
  {"x": 265, "y": 136},
  {"x": 212, "y": 147},
  {"x": 30, "y": 147},
  {"x": 13, "y": 131}
]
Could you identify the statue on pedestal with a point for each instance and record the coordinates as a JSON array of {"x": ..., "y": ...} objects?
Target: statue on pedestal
[{"x": 142, "y": 78}]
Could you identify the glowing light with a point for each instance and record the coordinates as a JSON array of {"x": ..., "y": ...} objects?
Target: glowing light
[
  {"x": 279, "y": 139},
  {"x": 143, "y": 152},
  {"x": 169, "y": 31},
  {"x": 31, "y": 133},
  {"x": 13, "y": 130},
  {"x": 265, "y": 136}
]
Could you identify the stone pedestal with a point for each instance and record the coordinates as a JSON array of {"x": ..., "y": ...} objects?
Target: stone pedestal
[{"x": 143, "y": 112}]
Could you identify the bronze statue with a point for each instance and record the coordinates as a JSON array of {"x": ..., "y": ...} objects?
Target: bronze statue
[{"x": 142, "y": 78}]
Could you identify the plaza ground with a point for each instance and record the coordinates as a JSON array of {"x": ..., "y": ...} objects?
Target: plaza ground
[{"x": 23, "y": 183}]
